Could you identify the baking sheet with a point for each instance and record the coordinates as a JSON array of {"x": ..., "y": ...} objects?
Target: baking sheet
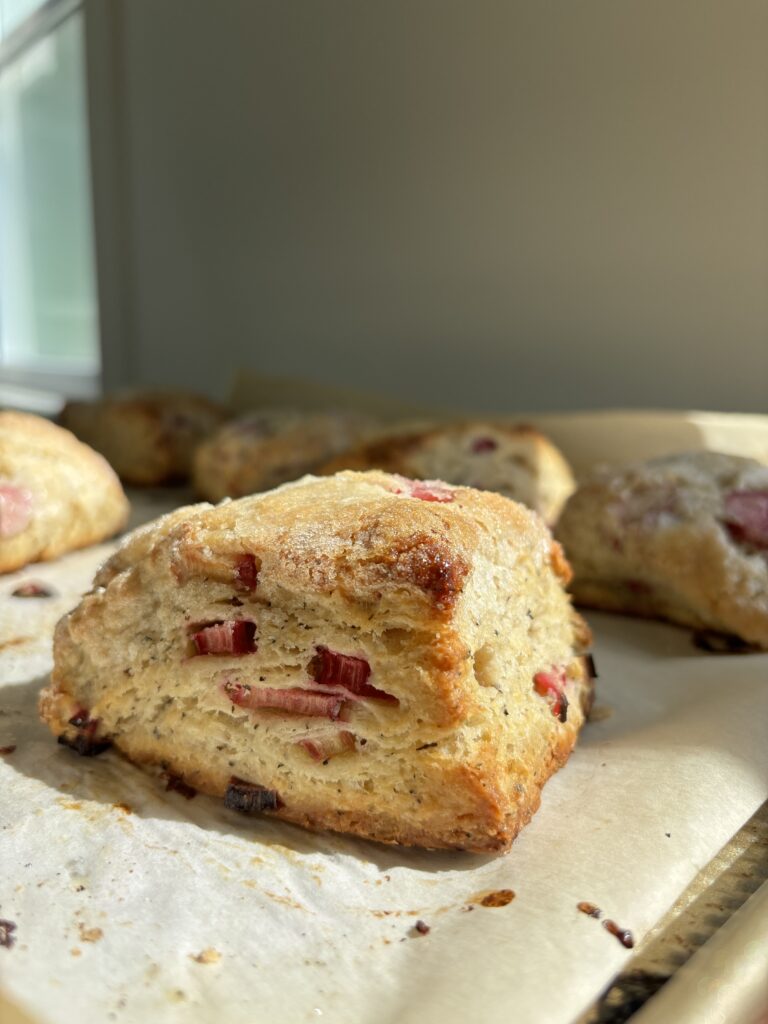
[
  {"x": 133, "y": 904},
  {"x": 737, "y": 957},
  {"x": 714, "y": 896}
]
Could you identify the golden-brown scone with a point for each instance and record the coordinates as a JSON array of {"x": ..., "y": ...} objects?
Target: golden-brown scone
[
  {"x": 264, "y": 449},
  {"x": 395, "y": 659},
  {"x": 56, "y": 494},
  {"x": 512, "y": 459},
  {"x": 683, "y": 538},
  {"x": 148, "y": 438}
]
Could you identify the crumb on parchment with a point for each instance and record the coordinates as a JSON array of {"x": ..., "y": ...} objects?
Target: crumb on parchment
[
  {"x": 206, "y": 956},
  {"x": 7, "y": 928}
]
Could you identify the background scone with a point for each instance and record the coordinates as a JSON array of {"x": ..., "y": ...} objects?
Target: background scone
[
  {"x": 399, "y": 660},
  {"x": 56, "y": 494},
  {"x": 264, "y": 449},
  {"x": 514, "y": 460},
  {"x": 683, "y": 538},
  {"x": 148, "y": 439}
]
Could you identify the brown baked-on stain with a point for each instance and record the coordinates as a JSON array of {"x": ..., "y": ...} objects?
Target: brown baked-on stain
[
  {"x": 7, "y": 928},
  {"x": 285, "y": 901},
  {"x": 69, "y": 805},
  {"x": 589, "y": 909},
  {"x": 89, "y": 934},
  {"x": 394, "y": 913},
  {"x": 624, "y": 935},
  {"x": 4, "y": 751},
  {"x": 17, "y": 641},
  {"x": 125, "y": 808},
  {"x": 496, "y": 898},
  {"x": 32, "y": 589}
]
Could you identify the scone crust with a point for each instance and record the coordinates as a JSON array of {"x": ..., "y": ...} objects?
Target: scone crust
[
  {"x": 76, "y": 499},
  {"x": 148, "y": 439},
  {"x": 357, "y": 548},
  {"x": 652, "y": 540},
  {"x": 264, "y": 449},
  {"x": 537, "y": 474}
]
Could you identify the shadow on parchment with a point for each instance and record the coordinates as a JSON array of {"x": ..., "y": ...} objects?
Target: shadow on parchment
[{"x": 113, "y": 782}]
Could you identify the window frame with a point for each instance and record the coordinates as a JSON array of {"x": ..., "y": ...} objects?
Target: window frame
[{"x": 33, "y": 386}]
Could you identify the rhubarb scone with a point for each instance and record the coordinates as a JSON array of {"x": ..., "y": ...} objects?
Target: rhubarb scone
[
  {"x": 263, "y": 449},
  {"x": 148, "y": 439},
  {"x": 683, "y": 538},
  {"x": 56, "y": 494},
  {"x": 394, "y": 659},
  {"x": 511, "y": 459}
]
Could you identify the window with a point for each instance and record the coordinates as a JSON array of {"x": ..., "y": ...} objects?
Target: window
[{"x": 48, "y": 307}]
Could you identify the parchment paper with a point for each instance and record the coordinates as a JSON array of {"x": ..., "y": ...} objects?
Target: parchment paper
[{"x": 134, "y": 904}]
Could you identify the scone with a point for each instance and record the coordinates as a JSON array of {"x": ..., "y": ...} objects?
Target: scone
[
  {"x": 56, "y": 494},
  {"x": 395, "y": 659},
  {"x": 264, "y": 449},
  {"x": 514, "y": 460},
  {"x": 683, "y": 538},
  {"x": 148, "y": 439}
]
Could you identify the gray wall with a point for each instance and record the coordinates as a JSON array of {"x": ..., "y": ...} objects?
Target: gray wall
[{"x": 494, "y": 204}]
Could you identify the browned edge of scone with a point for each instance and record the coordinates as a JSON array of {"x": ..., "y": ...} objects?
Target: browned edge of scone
[
  {"x": 493, "y": 835},
  {"x": 64, "y": 516},
  {"x": 494, "y": 827},
  {"x": 388, "y": 452},
  {"x": 680, "y": 538},
  {"x": 149, "y": 438}
]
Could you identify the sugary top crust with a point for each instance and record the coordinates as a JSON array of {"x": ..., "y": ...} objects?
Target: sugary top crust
[
  {"x": 688, "y": 489},
  {"x": 354, "y": 534},
  {"x": 703, "y": 471},
  {"x": 391, "y": 451},
  {"x": 263, "y": 449},
  {"x": 266, "y": 424},
  {"x": 153, "y": 402},
  {"x": 29, "y": 441}
]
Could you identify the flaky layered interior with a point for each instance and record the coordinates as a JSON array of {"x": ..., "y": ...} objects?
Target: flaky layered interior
[{"x": 379, "y": 714}]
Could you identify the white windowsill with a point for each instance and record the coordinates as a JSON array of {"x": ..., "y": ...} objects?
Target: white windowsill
[{"x": 44, "y": 392}]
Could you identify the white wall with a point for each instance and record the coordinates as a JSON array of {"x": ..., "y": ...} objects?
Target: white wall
[{"x": 494, "y": 204}]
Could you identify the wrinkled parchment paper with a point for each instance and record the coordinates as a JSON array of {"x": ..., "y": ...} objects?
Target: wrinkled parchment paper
[{"x": 134, "y": 904}]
